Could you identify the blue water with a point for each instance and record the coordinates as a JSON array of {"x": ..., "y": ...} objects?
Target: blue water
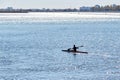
[{"x": 33, "y": 51}]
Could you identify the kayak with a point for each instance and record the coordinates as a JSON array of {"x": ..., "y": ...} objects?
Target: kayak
[{"x": 75, "y": 51}]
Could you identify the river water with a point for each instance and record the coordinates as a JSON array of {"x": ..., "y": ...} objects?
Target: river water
[{"x": 31, "y": 44}]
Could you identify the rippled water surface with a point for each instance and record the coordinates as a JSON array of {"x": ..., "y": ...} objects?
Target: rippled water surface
[{"x": 31, "y": 49}]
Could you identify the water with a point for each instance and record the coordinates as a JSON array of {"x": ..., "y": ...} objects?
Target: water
[{"x": 30, "y": 48}]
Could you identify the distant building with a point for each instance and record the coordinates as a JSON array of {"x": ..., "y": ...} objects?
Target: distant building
[
  {"x": 9, "y": 9},
  {"x": 114, "y": 5},
  {"x": 97, "y": 6},
  {"x": 85, "y": 8}
]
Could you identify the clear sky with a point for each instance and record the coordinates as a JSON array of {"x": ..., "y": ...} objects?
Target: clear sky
[{"x": 54, "y": 3}]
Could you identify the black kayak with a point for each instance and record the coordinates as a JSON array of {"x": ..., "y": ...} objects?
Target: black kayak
[{"x": 75, "y": 52}]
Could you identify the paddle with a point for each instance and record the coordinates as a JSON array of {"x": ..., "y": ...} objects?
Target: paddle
[
  {"x": 80, "y": 46},
  {"x": 76, "y": 47}
]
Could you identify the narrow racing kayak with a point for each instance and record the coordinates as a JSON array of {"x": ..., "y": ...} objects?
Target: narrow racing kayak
[{"x": 75, "y": 52}]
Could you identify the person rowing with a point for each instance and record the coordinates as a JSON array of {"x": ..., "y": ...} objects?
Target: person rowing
[{"x": 75, "y": 48}]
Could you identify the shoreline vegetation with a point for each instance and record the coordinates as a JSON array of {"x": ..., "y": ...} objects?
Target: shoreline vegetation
[{"x": 96, "y": 8}]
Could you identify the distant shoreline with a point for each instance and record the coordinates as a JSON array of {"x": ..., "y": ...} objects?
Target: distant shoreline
[
  {"x": 96, "y": 8},
  {"x": 60, "y": 12},
  {"x": 13, "y": 12}
]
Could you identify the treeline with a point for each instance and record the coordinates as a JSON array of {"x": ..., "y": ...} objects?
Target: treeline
[
  {"x": 107, "y": 8},
  {"x": 98, "y": 8}
]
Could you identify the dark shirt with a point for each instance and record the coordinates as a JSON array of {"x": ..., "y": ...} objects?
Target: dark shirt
[{"x": 74, "y": 48}]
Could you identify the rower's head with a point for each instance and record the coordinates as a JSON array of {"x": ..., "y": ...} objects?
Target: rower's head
[{"x": 74, "y": 45}]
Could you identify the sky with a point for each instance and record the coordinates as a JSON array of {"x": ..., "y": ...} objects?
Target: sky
[{"x": 54, "y": 3}]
